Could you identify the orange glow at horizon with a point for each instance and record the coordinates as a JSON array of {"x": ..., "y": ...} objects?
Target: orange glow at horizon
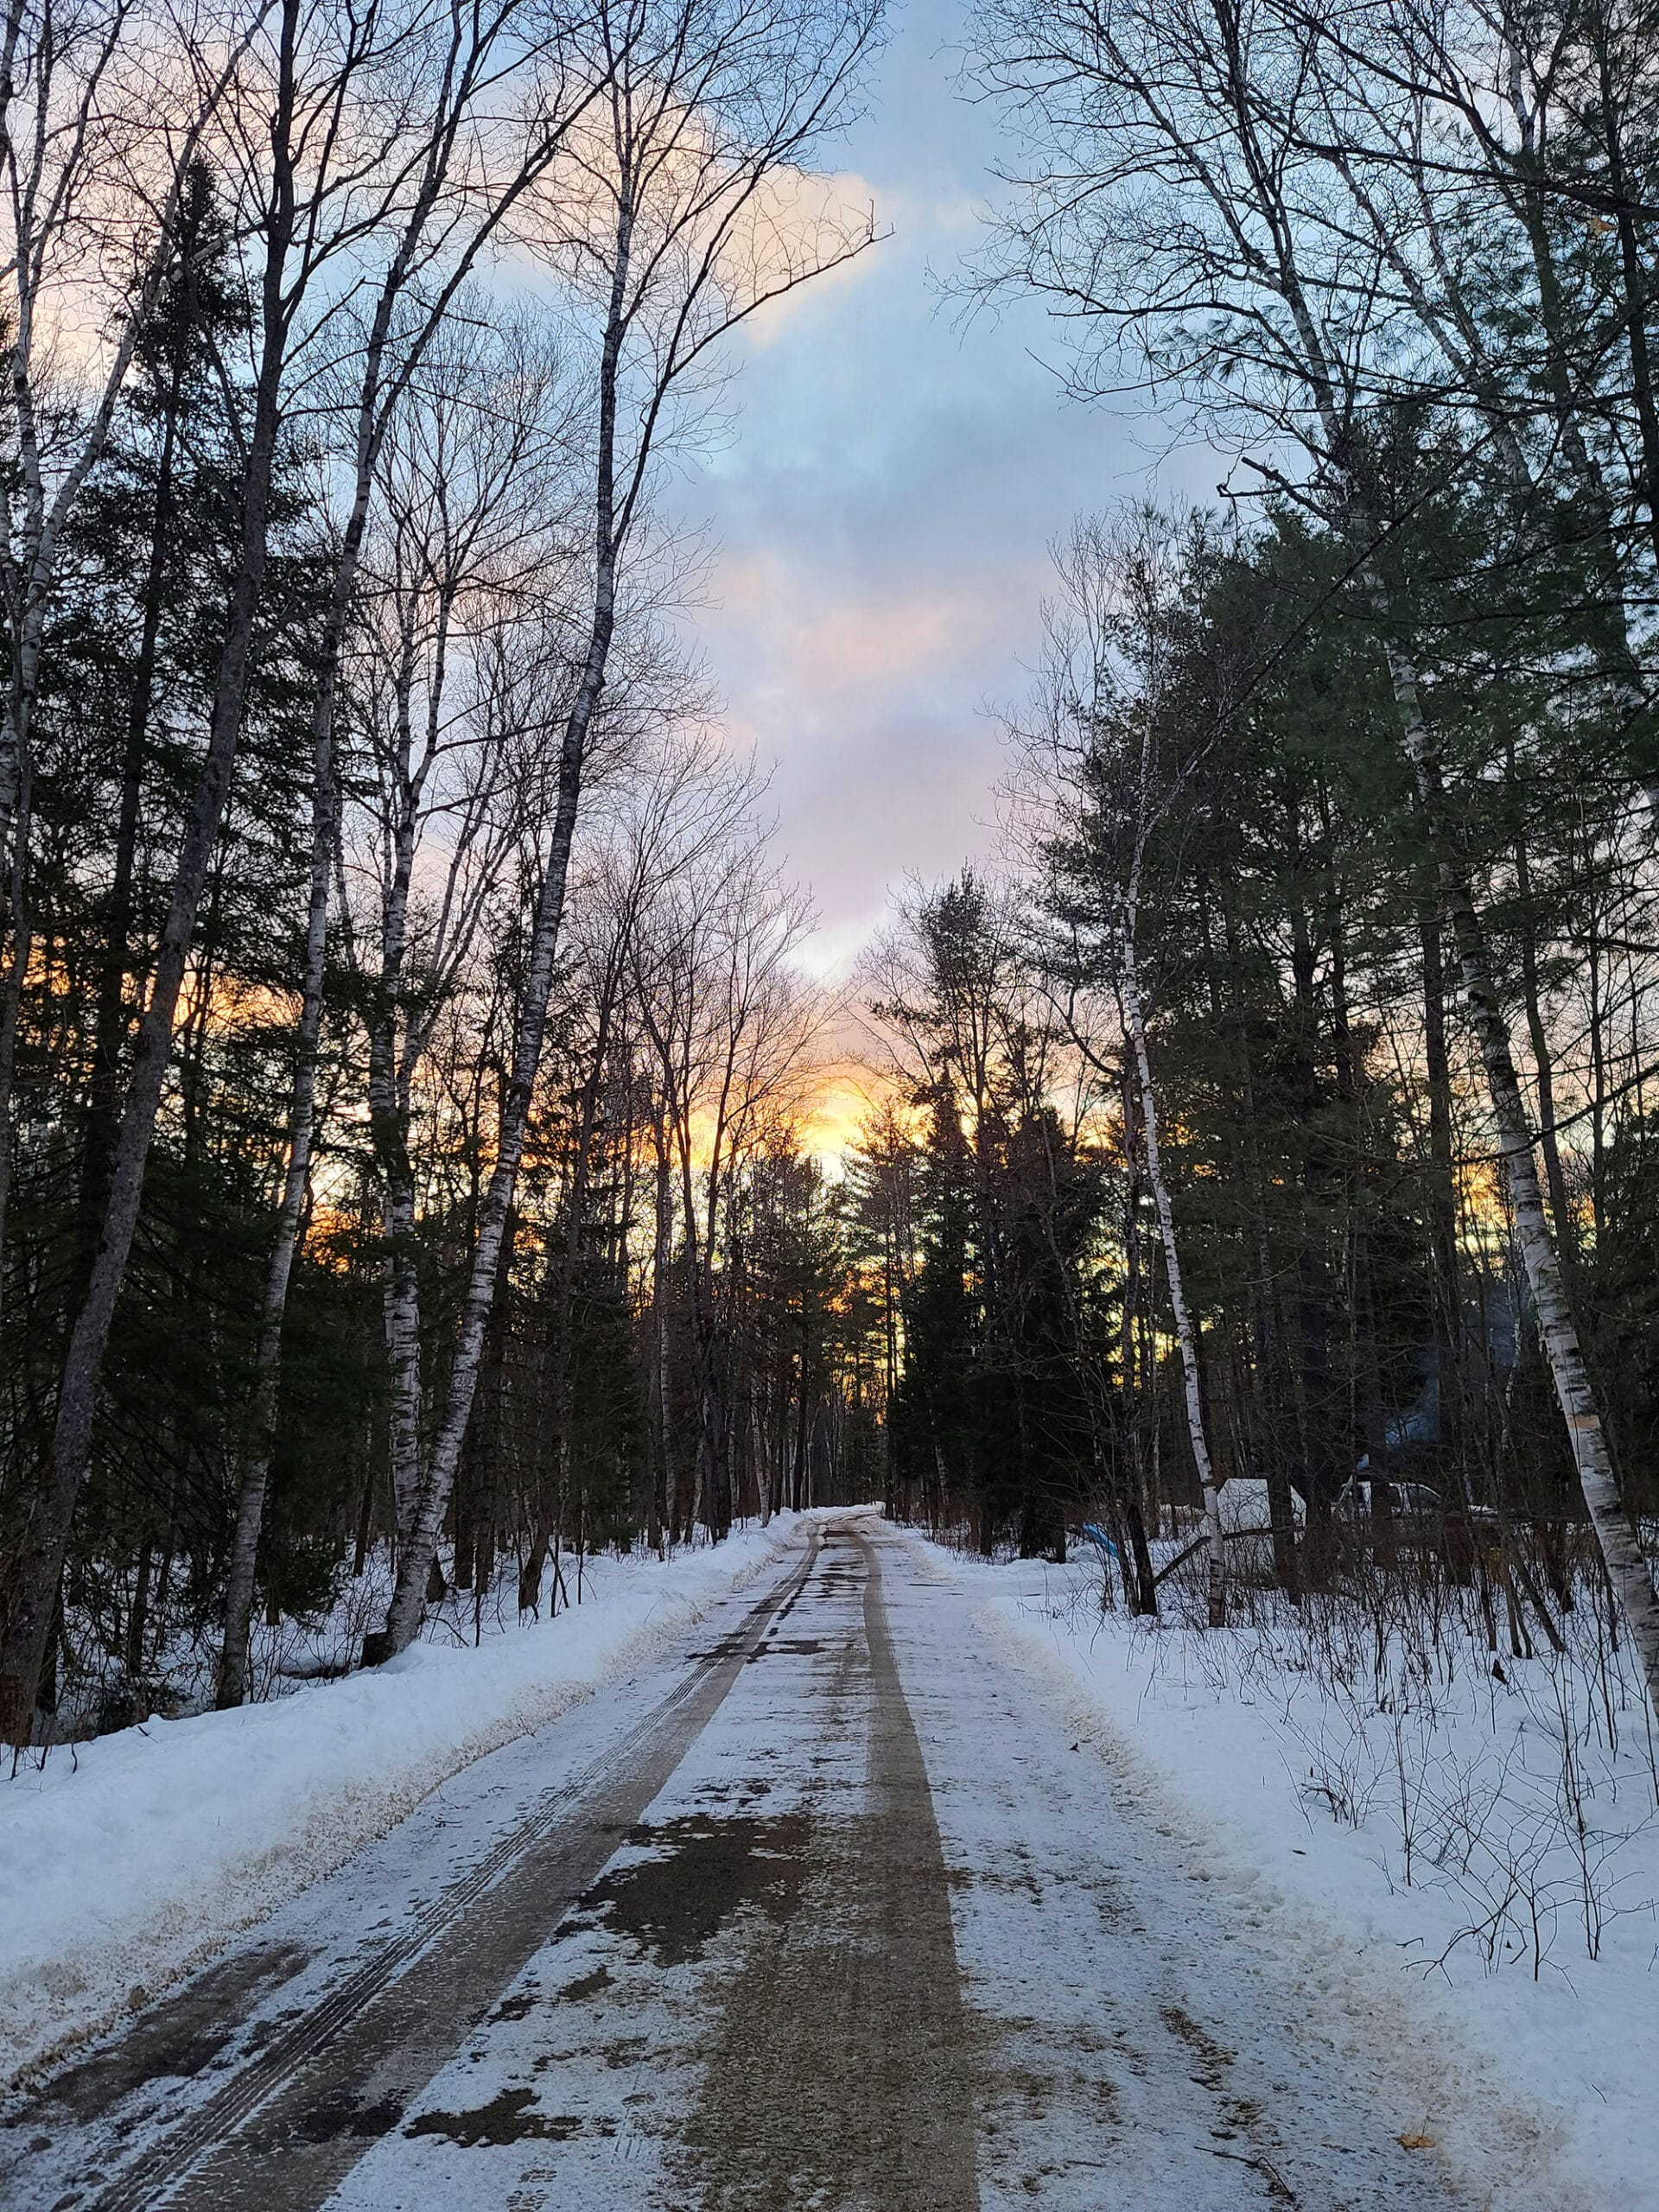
[{"x": 835, "y": 1114}]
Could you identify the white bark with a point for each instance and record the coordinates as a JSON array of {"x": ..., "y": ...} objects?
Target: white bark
[
  {"x": 1192, "y": 1395},
  {"x": 1627, "y": 1567},
  {"x": 695, "y": 129}
]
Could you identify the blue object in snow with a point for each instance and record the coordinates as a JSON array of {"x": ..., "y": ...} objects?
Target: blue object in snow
[{"x": 1099, "y": 1538}]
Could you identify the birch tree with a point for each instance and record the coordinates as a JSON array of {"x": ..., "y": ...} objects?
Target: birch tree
[
  {"x": 698, "y": 213},
  {"x": 463, "y": 586},
  {"x": 1172, "y": 218},
  {"x": 1112, "y": 728},
  {"x": 349, "y": 134}
]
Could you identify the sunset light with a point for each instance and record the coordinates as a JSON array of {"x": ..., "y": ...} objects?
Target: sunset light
[{"x": 828, "y": 1105}]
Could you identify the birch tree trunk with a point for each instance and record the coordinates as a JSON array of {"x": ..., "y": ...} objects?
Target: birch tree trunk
[
  {"x": 670, "y": 166},
  {"x": 381, "y": 389},
  {"x": 759, "y": 1446},
  {"x": 372, "y": 417},
  {"x": 1621, "y": 1550},
  {"x": 403, "y": 1615},
  {"x": 389, "y": 1125},
  {"x": 662, "y": 1246},
  {"x": 1134, "y": 1026}
]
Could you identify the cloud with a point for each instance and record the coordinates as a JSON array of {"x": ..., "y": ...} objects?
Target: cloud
[
  {"x": 883, "y": 516},
  {"x": 838, "y": 207},
  {"x": 857, "y": 637}
]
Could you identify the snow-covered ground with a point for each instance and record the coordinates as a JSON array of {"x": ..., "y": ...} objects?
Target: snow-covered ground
[
  {"x": 1483, "y": 1851},
  {"x": 126, "y": 1861},
  {"x": 885, "y": 1930},
  {"x": 1293, "y": 1908}
]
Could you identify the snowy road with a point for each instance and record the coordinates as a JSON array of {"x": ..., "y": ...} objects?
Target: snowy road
[{"x": 829, "y": 1911}]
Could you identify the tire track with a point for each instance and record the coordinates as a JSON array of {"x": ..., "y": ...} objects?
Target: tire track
[
  {"x": 292, "y": 2121},
  {"x": 841, "y": 2074}
]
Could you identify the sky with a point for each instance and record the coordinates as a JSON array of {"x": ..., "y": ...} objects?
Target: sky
[{"x": 881, "y": 519}]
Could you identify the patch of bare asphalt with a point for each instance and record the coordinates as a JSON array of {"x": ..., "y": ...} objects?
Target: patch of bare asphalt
[
  {"x": 286, "y": 2127},
  {"x": 841, "y": 2076},
  {"x": 699, "y": 1873},
  {"x": 584, "y": 1985},
  {"x": 509, "y": 2118},
  {"x": 180, "y": 2038}
]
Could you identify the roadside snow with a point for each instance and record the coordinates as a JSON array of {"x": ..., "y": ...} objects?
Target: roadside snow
[
  {"x": 1231, "y": 1757},
  {"x": 128, "y": 1861}
]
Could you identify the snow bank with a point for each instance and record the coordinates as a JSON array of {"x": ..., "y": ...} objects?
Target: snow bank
[
  {"x": 126, "y": 1862},
  {"x": 1236, "y": 1765}
]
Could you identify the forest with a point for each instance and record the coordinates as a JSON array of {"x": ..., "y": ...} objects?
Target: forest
[{"x": 413, "y": 1167}]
